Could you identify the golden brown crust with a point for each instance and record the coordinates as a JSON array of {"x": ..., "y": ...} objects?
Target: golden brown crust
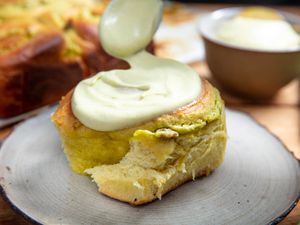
[
  {"x": 45, "y": 42},
  {"x": 35, "y": 74}
]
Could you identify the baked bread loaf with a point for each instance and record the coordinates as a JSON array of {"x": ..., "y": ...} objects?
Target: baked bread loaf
[
  {"x": 141, "y": 163},
  {"x": 46, "y": 48}
]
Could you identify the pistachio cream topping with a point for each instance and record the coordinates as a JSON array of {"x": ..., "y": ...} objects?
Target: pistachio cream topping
[
  {"x": 262, "y": 34},
  {"x": 118, "y": 99}
]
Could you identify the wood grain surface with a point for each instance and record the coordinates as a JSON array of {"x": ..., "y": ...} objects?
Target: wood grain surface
[{"x": 281, "y": 116}]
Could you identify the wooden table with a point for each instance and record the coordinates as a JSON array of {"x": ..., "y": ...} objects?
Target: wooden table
[{"x": 281, "y": 116}]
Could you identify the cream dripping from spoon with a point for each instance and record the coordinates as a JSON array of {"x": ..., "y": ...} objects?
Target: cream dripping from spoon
[{"x": 153, "y": 86}]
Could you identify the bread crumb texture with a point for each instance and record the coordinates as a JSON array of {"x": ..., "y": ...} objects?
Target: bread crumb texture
[{"x": 140, "y": 164}]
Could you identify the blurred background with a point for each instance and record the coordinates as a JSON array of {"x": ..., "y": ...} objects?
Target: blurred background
[{"x": 261, "y": 2}]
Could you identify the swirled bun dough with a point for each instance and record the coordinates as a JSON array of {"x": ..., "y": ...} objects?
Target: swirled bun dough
[{"x": 141, "y": 163}]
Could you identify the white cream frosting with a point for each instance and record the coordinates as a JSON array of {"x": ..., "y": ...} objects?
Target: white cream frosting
[
  {"x": 261, "y": 34},
  {"x": 119, "y": 99}
]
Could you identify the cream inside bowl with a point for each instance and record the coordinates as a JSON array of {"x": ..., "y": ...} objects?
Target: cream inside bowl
[
  {"x": 227, "y": 28},
  {"x": 253, "y": 69}
]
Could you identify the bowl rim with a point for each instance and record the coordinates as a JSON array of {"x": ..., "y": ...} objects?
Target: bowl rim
[{"x": 201, "y": 23}]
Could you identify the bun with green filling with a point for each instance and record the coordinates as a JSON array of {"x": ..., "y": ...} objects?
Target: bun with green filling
[{"x": 141, "y": 163}]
